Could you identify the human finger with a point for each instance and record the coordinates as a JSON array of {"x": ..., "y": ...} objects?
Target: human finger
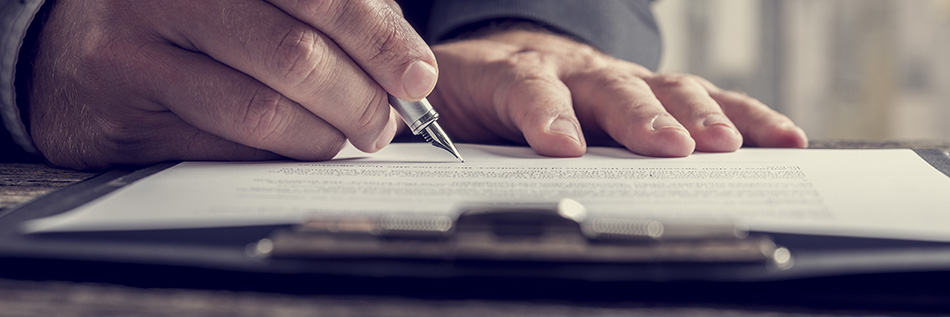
[
  {"x": 759, "y": 124},
  {"x": 166, "y": 137},
  {"x": 230, "y": 104},
  {"x": 125, "y": 131},
  {"x": 540, "y": 107},
  {"x": 624, "y": 106},
  {"x": 689, "y": 102},
  {"x": 377, "y": 37},
  {"x": 291, "y": 57},
  {"x": 134, "y": 138}
]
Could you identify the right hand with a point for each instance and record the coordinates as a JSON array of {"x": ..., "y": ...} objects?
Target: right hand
[{"x": 138, "y": 82}]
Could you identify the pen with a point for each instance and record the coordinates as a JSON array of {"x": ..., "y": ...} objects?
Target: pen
[{"x": 421, "y": 119}]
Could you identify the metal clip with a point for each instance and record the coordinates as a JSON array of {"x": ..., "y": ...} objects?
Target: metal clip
[{"x": 565, "y": 234}]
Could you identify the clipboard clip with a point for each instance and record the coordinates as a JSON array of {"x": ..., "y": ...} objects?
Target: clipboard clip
[{"x": 564, "y": 234}]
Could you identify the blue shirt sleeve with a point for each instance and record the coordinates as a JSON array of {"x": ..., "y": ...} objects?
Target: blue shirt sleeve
[{"x": 625, "y": 29}]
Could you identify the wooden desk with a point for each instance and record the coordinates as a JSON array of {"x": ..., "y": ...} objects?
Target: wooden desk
[{"x": 20, "y": 182}]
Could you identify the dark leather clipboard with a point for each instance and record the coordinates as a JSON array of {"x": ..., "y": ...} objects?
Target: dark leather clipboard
[{"x": 219, "y": 258}]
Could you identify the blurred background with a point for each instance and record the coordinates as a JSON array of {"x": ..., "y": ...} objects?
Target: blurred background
[{"x": 842, "y": 69}]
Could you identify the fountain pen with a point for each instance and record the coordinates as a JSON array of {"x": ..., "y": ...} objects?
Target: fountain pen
[{"x": 421, "y": 119}]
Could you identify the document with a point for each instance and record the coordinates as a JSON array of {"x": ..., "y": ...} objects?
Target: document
[{"x": 871, "y": 193}]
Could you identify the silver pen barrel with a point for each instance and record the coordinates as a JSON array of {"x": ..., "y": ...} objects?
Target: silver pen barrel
[
  {"x": 421, "y": 119},
  {"x": 417, "y": 114}
]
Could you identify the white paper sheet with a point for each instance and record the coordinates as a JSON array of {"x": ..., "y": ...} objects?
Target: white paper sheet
[{"x": 875, "y": 193}]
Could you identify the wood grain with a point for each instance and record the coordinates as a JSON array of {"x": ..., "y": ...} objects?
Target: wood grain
[{"x": 20, "y": 182}]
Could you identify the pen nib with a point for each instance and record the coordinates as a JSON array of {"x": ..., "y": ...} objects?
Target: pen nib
[{"x": 435, "y": 136}]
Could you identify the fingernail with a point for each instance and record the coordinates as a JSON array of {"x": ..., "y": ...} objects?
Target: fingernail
[
  {"x": 667, "y": 122},
  {"x": 388, "y": 133},
  {"x": 716, "y": 119},
  {"x": 419, "y": 79},
  {"x": 565, "y": 126}
]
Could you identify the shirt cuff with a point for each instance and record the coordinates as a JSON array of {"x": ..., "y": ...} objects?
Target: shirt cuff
[{"x": 15, "y": 19}]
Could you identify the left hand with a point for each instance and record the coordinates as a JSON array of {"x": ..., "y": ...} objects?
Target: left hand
[{"x": 557, "y": 94}]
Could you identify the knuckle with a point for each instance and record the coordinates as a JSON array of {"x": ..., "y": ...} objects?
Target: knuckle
[
  {"x": 264, "y": 117},
  {"x": 525, "y": 64},
  {"x": 514, "y": 98},
  {"x": 644, "y": 107},
  {"x": 528, "y": 67},
  {"x": 674, "y": 81},
  {"x": 394, "y": 6},
  {"x": 327, "y": 10},
  {"x": 534, "y": 79},
  {"x": 587, "y": 57},
  {"x": 525, "y": 58},
  {"x": 529, "y": 81},
  {"x": 87, "y": 45},
  {"x": 383, "y": 24},
  {"x": 99, "y": 53},
  {"x": 298, "y": 56},
  {"x": 387, "y": 43},
  {"x": 611, "y": 79}
]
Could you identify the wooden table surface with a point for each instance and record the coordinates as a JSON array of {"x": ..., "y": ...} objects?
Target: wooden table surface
[{"x": 20, "y": 182}]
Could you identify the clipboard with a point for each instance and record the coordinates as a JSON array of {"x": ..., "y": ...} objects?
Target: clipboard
[{"x": 276, "y": 257}]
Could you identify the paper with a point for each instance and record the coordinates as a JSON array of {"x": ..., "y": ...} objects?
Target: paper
[{"x": 875, "y": 193}]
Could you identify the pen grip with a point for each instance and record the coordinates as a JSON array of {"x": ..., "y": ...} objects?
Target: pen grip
[{"x": 418, "y": 115}]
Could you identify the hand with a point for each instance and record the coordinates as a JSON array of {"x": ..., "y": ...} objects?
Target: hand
[
  {"x": 136, "y": 82},
  {"x": 557, "y": 94}
]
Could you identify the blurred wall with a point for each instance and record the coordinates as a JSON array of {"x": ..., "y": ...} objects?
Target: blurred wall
[{"x": 842, "y": 69}]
